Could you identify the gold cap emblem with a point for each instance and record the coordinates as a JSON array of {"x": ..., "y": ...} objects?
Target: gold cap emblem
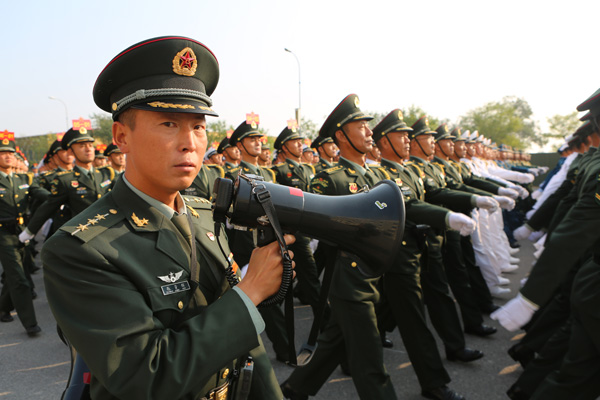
[
  {"x": 356, "y": 101},
  {"x": 185, "y": 62},
  {"x": 400, "y": 116},
  {"x": 5, "y": 142}
]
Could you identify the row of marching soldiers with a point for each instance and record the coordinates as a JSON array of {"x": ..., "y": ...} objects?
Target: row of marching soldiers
[
  {"x": 453, "y": 184},
  {"x": 71, "y": 176}
]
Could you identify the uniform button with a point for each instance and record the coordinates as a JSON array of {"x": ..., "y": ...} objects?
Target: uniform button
[
  {"x": 82, "y": 196},
  {"x": 403, "y": 243},
  {"x": 16, "y": 195},
  {"x": 225, "y": 373},
  {"x": 180, "y": 305},
  {"x": 353, "y": 264}
]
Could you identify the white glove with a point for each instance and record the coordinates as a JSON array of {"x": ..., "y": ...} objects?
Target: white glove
[
  {"x": 25, "y": 236},
  {"x": 514, "y": 314},
  {"x": 522, "y": 232},
  {"x": 512, "y": 193},
  {"x": 528, "y": 178},
  {"x": 487, "y": 203},
  {"x": 505, "y": 202},
  {"x": 530, "y": 213},
  {"x": 536, "y": 194},
  {"x": 523, "y": 193},
  {"x": 462, "y": 223},
  {"x": 544, "y": 169}
]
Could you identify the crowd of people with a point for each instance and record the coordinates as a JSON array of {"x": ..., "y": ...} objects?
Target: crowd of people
[{"x": 129, "y": 231}]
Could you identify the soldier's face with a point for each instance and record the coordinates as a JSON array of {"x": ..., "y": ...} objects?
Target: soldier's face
[
  {"x": 427, "y": 143},
  {"x": 329, "y": 149},
  {"x": 7, "y": 160},
  {"x": 232, "y": 153},
  {"x": 99, "y": 162},
  {"x": 460, "y": 148},
  {"x": 83, "y": 151},
  {"x": 117, "y": 159},
  {"x": 251, "y": 145},
  {"x": 265, "y": 155},
  {"x": 65, "y": 157},
  {"x": 294, "y": 147},
  {"x": 359, "y": 134},
  {"x": 164, "y": 151},
  {"x": 216, "y": 159},
  {"x": 446, "y": 146}
]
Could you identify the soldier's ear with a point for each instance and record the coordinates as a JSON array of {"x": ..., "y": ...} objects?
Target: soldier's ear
[{"x": 121, "y": 133}]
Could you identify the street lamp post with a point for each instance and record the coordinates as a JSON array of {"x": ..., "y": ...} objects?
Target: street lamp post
[
  {"x": 299, "y": 86},
  {"x": 66, "y": 111}
]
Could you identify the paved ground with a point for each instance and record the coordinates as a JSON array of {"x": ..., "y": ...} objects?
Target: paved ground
[{"x": 37, "y": 368}]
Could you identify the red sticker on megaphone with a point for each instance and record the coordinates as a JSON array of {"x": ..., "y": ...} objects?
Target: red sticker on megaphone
[{"x": 296, "y": 192}]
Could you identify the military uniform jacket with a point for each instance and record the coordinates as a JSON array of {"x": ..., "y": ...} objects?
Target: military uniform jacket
[
  {"x": 347, "y": 282},
  {"x": 14, "y": 198},
  {"x": 118, "y": 282},
  {"x": 322, "y": 165},
  {"x": 247, "y": 168},
  {"x": 294, "y": 174},
  {"x": 436, "y": 191},
  {"x": 204, "y": 182},
  {"x": 74, "y": 188},
  {"x": 576, "y": 235},
  {"x": 454, "y": 178}
]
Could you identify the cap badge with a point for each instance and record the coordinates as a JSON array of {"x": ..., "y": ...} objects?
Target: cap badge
[
  {"x": 400, "y": 116},
  {"x": 446, "y": 128},
  {"x": 185, "y": 62},
  {"x": 137, "y": 221},
  {"x": 356, "y": 101},
  {"x": 292, "y": 125},
  {"x": 82, "y": 130},
  {"x": 5, "y": 142},
  {"x": 172, "y": 277},
  {"x": 353, "y": 187}
]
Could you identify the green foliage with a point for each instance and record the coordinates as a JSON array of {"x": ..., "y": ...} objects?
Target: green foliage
[
  {"x": 34, "y": 147},
  {"x": 562, "y": 125},
  {"x": 308, "y": 128},
  {"x": 507, "y": 121},
  {"x": 102, "y": 123},
  {"x": 411, "y": 115}
]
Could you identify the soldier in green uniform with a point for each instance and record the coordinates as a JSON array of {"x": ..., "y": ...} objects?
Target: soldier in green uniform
[
  {"x": 352, "y": 328},
  {"x": 247, "y": 139},
  {"x": 77, "y": 188},
  {"x": 14, "y": 195},
  {"x": 293, "y": 173},
  {"x": 100, "y": 160},
  {"x": 231, "y": 154},
  {"x": 116, "y": 158},
  {"x": 326, "y": 149},
  {"x": 137, "y": 281},
  {"x": 575, "y": 240},
  {"x": 264, "y": 159},
  {"x": 441, "y": 306},
  {"x": 402, "y": 288},
  {"x": 213, "y": 158}
]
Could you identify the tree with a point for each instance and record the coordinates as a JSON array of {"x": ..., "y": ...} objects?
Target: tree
[
  {"x": 102, "y": 124},
  {"x": 308, "y": 128},
  {"x": 507, "y": 121},
  {"x": 411, "y": 115}
]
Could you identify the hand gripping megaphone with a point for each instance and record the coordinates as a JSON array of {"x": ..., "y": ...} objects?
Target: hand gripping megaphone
[{"x": 368, "y": 224}]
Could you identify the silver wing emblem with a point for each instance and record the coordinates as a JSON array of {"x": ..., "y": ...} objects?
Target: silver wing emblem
[{"x": 172, "y": 277}]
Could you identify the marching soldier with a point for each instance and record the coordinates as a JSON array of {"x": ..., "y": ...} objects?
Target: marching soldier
[
  {"x": 264, "y": 159},
  {"x": 204, "y": 182},
  {"x": 137, "y": 281},
  {"x": 14, "y": 195},
  {"x": 116, "y": 159},
  {"x": 100, "y": 159},
  {"x": 231, "y": 154},
  {"x": 77, "y": 188},
  {"x": 352, "y": 329},
  {"x": 326, "y": 149},
  {"x": 402, "y": 288}
]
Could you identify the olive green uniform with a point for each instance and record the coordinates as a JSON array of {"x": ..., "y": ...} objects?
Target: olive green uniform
[
  {"x": 204, "y": 182},
  {"x": 75, "y": 188},
  {"x": 352, "y": 329},
  {"x": 134, "y": 330},
  {"x": 16, "y": 291},
  {"x": 402, "y": 287}
]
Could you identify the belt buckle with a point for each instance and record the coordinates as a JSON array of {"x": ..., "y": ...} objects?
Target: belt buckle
[{"x": 220, "y": 393}]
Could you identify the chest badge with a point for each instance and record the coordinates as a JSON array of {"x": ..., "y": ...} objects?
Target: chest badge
[
  {"x": 398, "y": 181},
  {"x": 74, "y": 184},
  {"x": 353, "y": 187},
  {"x": 172, "y": 277}
]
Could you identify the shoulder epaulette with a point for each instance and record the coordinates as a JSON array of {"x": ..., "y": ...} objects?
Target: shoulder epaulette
[
  {"x": 381, "y": 169},
  {"x": 110, "y": 169},
  {"x": 218, "y": 168},
  {"x": 312, "y": 167},
  {"x": 236, "y": 169},
  {"x": 86, "y": 230},
  {"x": 271, "y": 172},
  {"x": 279, "y": 164},
  {"x": 48, "y": 173},
  {"x": 196, "y": 202},
  {"x": 63, "y": 173},
  {"x": 421, "y": 174}
]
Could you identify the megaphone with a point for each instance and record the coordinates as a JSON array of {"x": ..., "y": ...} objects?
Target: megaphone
[{"x": 368, "y": 225}]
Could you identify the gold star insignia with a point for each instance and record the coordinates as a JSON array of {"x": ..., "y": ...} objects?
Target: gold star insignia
[
  {"x": 92, "y": 221},
  {"x": 99, "y": 217},
  {"x": 82, "y": 227},
  {"x": 139, "y": 222}
]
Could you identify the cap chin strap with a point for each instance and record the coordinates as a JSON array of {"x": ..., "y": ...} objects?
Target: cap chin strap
[
  {"x": 421, "y": 147},
  {"x": 443, "y": 152},
  {"x": 394, "y": 149},
  {"x": 289, "y": 151},
  {"x": 350, "y": 141}
]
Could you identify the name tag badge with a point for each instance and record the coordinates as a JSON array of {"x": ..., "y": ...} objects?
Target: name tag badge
[
  {"x": 105, "y": 183},
  {"x": 175, "y": 288}
]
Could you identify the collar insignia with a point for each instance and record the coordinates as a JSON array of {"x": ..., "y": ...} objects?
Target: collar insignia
[
  {"x": 172, "y": 277},
  {"x": 139, "y": 222}
]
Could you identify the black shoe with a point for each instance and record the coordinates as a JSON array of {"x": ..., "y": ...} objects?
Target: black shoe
[
  {"x": 490, "y": 308},
  {"x": 516, "y": 393},
  {"x": 290, "y": 393},
  {"x": 6, "y": 317},
  {"x": 387, "y": 343},
  {"x": 521, "y": 354},
  {"x": 33, "y": 330},
  {"x": 442, "y": 393},
  {"x": 464, "y": 355},
  {"x": 481, "y": 330}
]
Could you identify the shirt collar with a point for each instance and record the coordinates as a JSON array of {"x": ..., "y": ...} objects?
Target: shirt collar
[
  {"x": 159, "y": 205},
  {"x": 359, "y": 168}
]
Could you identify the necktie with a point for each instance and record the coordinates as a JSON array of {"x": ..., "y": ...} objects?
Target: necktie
[
  {"x": 181, "y": 223},
  {"x": 370, "y": 177}
]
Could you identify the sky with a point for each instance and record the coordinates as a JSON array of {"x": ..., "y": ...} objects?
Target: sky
[{"x": 447, "y": 57}]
